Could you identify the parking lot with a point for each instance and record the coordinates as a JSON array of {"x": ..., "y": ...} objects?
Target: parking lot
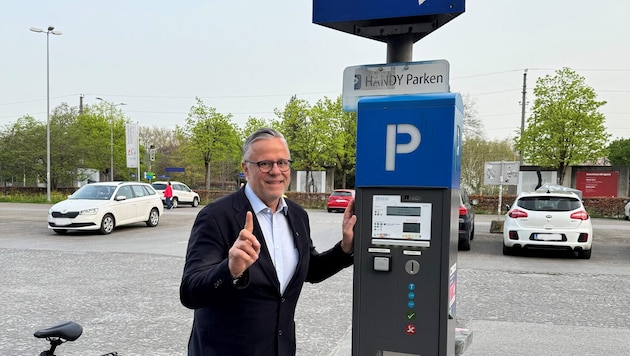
[{"x": 123, "y": 289}]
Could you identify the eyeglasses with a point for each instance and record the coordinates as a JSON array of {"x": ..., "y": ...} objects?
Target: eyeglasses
[{"x": 266, "y": 166}]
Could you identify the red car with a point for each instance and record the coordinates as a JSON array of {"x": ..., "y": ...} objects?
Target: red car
[{"x": 339, "y": 199}]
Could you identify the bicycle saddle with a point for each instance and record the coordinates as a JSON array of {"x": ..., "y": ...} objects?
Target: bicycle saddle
[{"x": 68, "y": 330}]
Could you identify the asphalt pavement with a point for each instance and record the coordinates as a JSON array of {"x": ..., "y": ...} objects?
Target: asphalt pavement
[{"x": 123, "y": 289}]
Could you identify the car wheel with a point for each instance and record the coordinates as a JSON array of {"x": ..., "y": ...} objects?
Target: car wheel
[
  {"x": 330, "y": 210},
  {"x": 585, "y": 254},
  {"x": 174, "y": 203},
  {"x": 464, "y": 244},
  {"x": 195, "y": 202},
  {"x": 60, "y": 231},
  {"x": 154, "y": 218},
  {"x": 472, "y": 232},
  {"x": 107, "y": 224},
  {"x": 508, "y": 251}
]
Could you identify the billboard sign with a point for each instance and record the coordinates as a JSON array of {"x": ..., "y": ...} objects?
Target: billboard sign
[
  {"x": 133, "y": 157},
  {"x": 597, "y": 184}
]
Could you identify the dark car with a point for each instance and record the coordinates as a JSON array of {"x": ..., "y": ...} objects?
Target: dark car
[
  {"x": 339, "y": 199},
  {"x": 466, "y": 221}
]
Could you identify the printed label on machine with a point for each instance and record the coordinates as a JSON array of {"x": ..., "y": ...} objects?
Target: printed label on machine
[{"x": 396, "y": 220}]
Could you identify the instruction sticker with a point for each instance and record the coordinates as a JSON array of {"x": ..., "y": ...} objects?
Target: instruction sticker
[{"x": 396, "y": 220}]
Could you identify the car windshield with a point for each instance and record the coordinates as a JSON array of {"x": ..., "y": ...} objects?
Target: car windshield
[
  {"x": 94, "y": 192},
  {"x": 159, "y": 186},
  {"x": 549, "y": 203},
  {"x": 341, "y": 194}
]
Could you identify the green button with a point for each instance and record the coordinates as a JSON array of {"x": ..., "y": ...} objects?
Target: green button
[{"x": 411, "y": 315}]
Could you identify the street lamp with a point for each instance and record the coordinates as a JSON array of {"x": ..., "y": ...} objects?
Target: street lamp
[
  {"x": 48, "y": 32},
  {"x": 111, "y": 136}
]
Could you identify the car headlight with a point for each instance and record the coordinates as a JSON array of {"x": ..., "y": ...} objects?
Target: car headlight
[{"x": 88, "y": 211}]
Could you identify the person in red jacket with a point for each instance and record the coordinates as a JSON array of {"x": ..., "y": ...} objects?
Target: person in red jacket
[{"x": 168, "y": 194}]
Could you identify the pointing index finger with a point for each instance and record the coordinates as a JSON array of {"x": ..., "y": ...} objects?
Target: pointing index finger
[{"x": 249, "y": 222}]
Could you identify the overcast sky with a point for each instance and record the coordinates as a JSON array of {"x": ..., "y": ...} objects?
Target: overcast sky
[{"x": 247, "y": 58}]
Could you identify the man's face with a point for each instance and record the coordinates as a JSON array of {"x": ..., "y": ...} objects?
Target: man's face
[{"x": 270, "y": 186}]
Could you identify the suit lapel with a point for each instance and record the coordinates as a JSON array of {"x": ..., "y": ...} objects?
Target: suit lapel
[
  {"x": 301, "y": 243},
  {"x": 241, "y": 206}
]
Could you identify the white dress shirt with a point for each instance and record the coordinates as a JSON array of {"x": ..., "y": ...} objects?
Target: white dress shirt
[{"x": 278, "y": 237}]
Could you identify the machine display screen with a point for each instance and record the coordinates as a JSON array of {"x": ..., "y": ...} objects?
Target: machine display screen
[
  {"x": 393, "y": 219},
  {"x": 404, "y": 211},
  {"x": 411, "y": 227}
]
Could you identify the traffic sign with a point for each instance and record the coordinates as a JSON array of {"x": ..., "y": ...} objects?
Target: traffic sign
[
  {"x": 393, "y": 79},
  {"x": 501, "y": 173}
]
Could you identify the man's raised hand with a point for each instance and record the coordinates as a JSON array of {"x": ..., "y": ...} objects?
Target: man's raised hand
[{"x": 244, "y": 252}]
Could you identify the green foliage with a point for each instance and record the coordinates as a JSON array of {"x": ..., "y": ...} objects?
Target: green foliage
[
  {"x": 209, "y": 137},
  {"x": 619, "y": 152},
  {"x": 23, "y": 152},
  {"x": 565, "y": 127},
  {"x": 477, "y": 151},
  {"x": 340, "y": 128},
  {"x": 306, "y": 142},
  {"x": 19, "y": 197},
  {"x": 254, "y": 124},
  {"x": 319, "y": 137}
]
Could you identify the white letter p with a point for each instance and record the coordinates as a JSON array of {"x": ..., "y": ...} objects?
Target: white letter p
[{"x": 392, "y": 148}]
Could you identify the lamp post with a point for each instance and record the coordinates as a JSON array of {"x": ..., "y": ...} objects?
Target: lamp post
[
  {"x": 111, "y": 136},
  {"x": 48, "y": 32}
]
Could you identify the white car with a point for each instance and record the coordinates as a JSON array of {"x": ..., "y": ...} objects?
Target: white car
[
  {"x": 553, "y": 220},
  {"x": 182, "y": 194},
  {"x": 103, "y": 206}
]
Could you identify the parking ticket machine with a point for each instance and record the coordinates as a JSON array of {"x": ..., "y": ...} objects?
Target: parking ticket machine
[{"x": 407, "y": 200}]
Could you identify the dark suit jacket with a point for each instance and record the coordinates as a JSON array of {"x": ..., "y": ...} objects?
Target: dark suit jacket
[{"x": 251, "y": 318}]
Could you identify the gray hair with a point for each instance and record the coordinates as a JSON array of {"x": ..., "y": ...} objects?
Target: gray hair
[{"x": 261, "y": 134}]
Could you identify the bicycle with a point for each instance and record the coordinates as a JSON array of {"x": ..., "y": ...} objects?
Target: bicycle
[{"x": 61, "y": 333}]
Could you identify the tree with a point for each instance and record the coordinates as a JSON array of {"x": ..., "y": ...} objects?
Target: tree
[
  {"x": 96, "y": 128},
  {"x": 473, "y": 127},
  {"x": 254, "y": 124},
  {"x": 565, "y": 127},
  {"x": 619, "y": 152},
  {"x": 208, "y": 138},
  {"x": 306, "y": 135},
  {"x": 65, "y": 157},
  {"x": 340, "y": 130},
  {"x": 477, "y": 151},
  {"x": 166, "y": 151},
  {"x": 23, "y": 153}
]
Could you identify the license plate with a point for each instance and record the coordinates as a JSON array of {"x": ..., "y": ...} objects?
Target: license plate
[
  {"x": 62, "y": 222},
  {"x": 548, "y": 237}
]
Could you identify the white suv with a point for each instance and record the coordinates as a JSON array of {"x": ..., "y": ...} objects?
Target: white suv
[
  {"x": 182, "y": 194},
  {"x": 552, "y": 220}
]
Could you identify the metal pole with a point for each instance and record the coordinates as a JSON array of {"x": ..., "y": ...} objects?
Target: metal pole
[
  {"x": 111, "y": 135},
  {"x": 48, "y": 116},
  {"x": 523, "y": 110},
  {"x": 48, "y": 31},
  {"x": 138, "y": 150},
  {"x": 400, "y": 48},
  {"x": 111, "y": 142}
]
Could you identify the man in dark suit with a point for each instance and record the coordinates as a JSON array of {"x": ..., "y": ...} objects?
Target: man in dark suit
[{"x": 248, "y": 256}]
